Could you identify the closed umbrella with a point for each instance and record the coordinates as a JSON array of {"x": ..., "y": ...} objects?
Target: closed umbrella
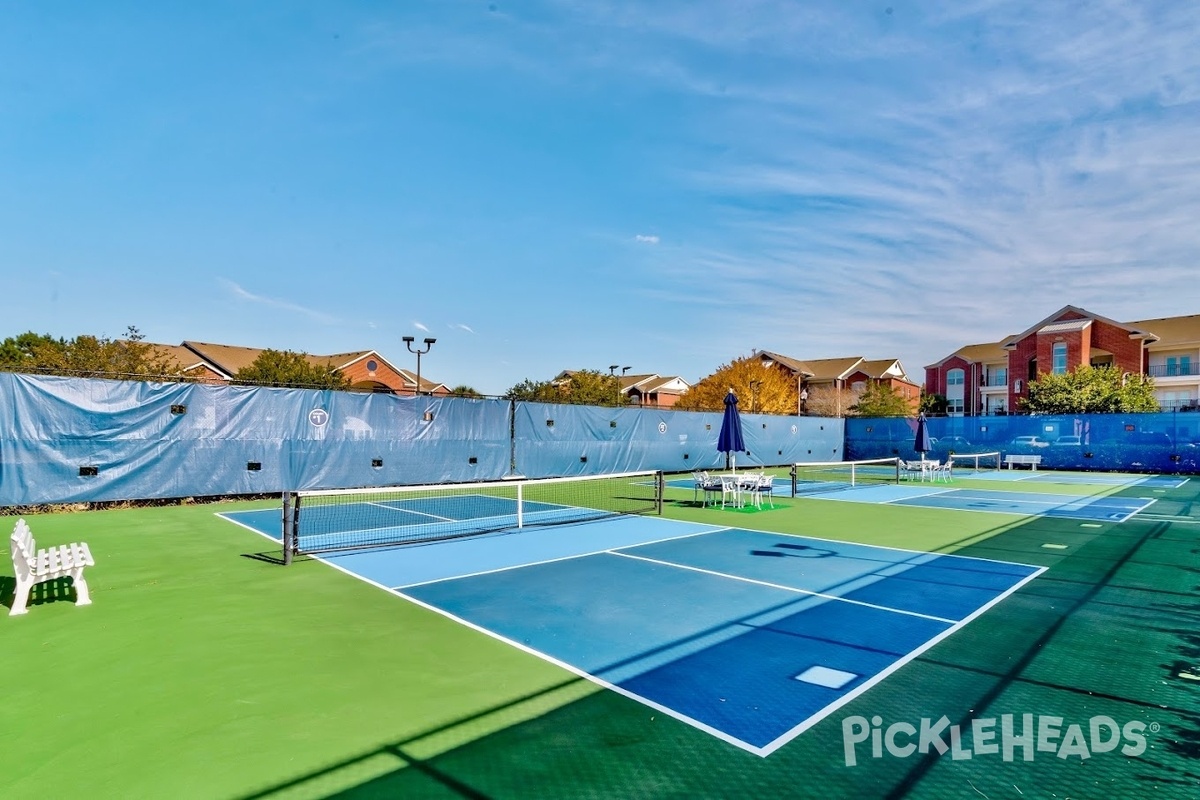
[
  {"x": 922, "y": 444},
  {"x": 730, "y": 441}
]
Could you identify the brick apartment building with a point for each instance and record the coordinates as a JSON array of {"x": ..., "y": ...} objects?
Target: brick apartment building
[
  {"x": 366, "y": 370},
  {"x": 991, "y": 378},
  {"x": 853, "y": 373}
]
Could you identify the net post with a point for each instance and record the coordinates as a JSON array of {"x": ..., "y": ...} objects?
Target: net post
[
  {"x": 660, "y": 485},
  {"x": 289, "y": 528},
  {"x": 520, "y": 505},
  {"x": 793, "y": 473},
  {"x": 897, "y": 466}
]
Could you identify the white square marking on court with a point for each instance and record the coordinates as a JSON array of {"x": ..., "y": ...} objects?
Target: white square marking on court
[{"x": 827, "y": 677}]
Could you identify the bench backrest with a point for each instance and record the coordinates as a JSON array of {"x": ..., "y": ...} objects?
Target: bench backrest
[{"x": 23, "y": 548}]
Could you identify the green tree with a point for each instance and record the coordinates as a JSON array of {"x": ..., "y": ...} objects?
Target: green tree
[
  {"x": 285, "y": 368},
  {"x": 881, "y": 400},
  {"x": 533, "y": 392},
  {"x": 464, "y": 391},
  {"x": 585, "y": 387},
  {"x": 759, "y": 388},
  {"x": 128, "y": 358},
  {"x": 31, "y": 352},
  {"x": 1091, "y": 390},
  {"x": 933, "y": 404}
]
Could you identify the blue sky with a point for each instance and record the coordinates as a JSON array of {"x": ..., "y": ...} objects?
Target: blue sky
[{"x": 555, "y": 184}]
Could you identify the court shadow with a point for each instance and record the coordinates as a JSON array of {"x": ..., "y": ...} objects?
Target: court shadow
[
  {"x": 270, "y": 557},
  {"x": 57, "y": 590}
]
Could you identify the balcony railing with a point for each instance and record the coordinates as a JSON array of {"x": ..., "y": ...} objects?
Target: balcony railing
[
  {"x": 1174, "y": 370},
  {"x": 995, "y": 380}
]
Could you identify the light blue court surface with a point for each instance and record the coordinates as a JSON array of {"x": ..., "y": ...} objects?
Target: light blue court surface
[
  {"x": 929, "y": 495},
  {"x": 1079, "y": 478},
  {"x": 749, "y": 636}
]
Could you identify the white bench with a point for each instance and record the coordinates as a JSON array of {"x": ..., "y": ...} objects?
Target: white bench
[
  {"x": 35, "y": 566},
  {"x": 1032, "y": 461}
]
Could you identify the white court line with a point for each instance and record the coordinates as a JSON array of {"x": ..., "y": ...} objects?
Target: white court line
[
  {"x": 412, "y": 511},
  {"x": 558, "y": 558},
  {"x": 767, "y": 749},
  {"x": 222, "y": 514},
  {"x": 784, "y": 588},
  {"x": 670, "y": 712},
  {"x": 762, "y": 752}
]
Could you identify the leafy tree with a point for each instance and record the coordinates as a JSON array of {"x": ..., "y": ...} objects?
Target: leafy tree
[
  {"x": 586, "y": 387},
  {"x": 31, "y": 352},
  {"x": 533, "y": 391},
  {"x": 759, "y": 388},
  {"x": 128, "y": 358},
  {"x": 1090, "y": 390},
  {"x": 881, "y": 400},
  {"x": 830, "y": 401},
  {"x": 464, "y": 391},
  {"x": 932, "y": 404},
  {"x": 285, "y": 368}
]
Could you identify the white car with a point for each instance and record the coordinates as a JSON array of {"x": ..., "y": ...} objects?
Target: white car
[
  {"x": 1067, "y": 441},
  {"x": 1030, "y": 441}
]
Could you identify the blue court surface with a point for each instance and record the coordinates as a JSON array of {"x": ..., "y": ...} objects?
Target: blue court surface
[{"x": 752, "y": 637}]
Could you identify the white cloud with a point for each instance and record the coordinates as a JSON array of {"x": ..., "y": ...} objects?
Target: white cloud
[
  {"x": 646, "y": 239},
  {"x": 286, "y": 305},
  {"x": 462, "y": 327},
  {"x": 420, "y": 326}
]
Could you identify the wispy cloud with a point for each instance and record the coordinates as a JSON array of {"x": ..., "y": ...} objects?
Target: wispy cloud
[
  {"x": 646, "y": 239},
  {"x": 241, "y": 293},
  {"x": 420, "y": 326},
  {"x": 462, "y": 327}
]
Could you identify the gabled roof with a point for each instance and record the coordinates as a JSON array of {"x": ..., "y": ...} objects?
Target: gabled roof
[
  {"x": 833, "y": 368},
  {"x": 651, "y": 382},
  {"x": 185, "y": 359},
  {"x": 798, "y": 367},
  {"x": 976, "y": 353},
  {"x": 658, "y": 383},
  {"x": 1039, "y": 327},
  {"x": 1173, "y": 330},
  {"x": 882, "y": 368}
]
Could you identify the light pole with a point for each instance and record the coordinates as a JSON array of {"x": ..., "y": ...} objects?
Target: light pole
[
  {"x": 612, "y": 371},
  {"x": 408, "y": 341},
  {"x": 754, "y": 395}
]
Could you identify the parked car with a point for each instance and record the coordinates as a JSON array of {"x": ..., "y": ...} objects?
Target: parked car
[
  {"x": 956, "y": 443},
  {"x": 1067, "y": 441},
  {"x": 1029, "y": 441}
]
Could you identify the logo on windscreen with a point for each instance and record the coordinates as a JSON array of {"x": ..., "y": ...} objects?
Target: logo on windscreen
[{"x": 318, "y": 417}]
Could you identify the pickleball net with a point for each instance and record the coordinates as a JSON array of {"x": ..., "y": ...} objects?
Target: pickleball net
[
  {"x": 319, "y": 521},
  {"x": 975, "y": 462},
  {"x": 814, "y": 477}
]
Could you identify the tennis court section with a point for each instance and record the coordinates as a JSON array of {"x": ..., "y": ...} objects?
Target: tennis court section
[{"x": 752, "y": 637}]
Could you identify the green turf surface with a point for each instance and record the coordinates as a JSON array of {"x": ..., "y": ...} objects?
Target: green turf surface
[{"x": 201, "y": 671}]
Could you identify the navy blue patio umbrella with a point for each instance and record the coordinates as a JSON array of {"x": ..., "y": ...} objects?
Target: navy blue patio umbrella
[
  {"x": 730, "y": 441},
  {"x": 922, "y": 444}
]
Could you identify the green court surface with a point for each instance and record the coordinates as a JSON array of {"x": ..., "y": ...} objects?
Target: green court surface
[{"x": 203, "y": 669}]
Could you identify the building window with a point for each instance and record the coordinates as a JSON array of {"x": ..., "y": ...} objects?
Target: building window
[
  {"x": 1032, "y": 374},
  {"x": 1059, "y": 365},
  {"x": 998, "y": 377},
  {"x": 1179, "y": 366},
  {"x": 954, "y": 405},
  {"x": 954, "y": 377}
]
